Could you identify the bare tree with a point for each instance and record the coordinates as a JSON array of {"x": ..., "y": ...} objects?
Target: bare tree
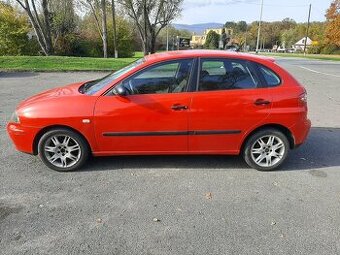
[
  {"x": 98, "y": 10},
  {"x": 42, "y": 27},
  {"x": 150, "y": 17},
  {"x": 115, "y": 48}
]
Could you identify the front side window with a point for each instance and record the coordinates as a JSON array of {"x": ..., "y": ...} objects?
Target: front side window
[
  {"x": 169, "y": 77},
  {"x": 225, "y": 74}
]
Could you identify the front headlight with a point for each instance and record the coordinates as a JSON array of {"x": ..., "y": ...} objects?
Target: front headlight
[{"x": 15, "y": 118}]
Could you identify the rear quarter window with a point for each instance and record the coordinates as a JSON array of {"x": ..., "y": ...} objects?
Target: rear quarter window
[{"x": 271, "y": 78}]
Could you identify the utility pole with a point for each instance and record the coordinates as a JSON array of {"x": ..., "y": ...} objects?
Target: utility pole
[
  {"x": 304, "y": 49},
  {"x": 115, "y": 47},
  {"x": 259, "y": 29}
]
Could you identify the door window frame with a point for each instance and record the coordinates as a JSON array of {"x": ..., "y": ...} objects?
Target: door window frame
[
  {"x": 252, "y": 64},
  {"x": 154, "y": 65}
]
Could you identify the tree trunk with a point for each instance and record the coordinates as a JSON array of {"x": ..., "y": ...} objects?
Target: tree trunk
[
  {"x": 43, "y": 33},
  {"x": 49, "y": 47},
  {"x": 38, "y": 33},
  {"x": 153, "y": 38},
  {"x": 115, "y": 47},
  {"x": 104, "y": 27},
  {"x": 146, "y": 47}
]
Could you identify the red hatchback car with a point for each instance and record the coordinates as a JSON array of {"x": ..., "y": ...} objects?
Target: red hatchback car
[{"x": 183, "y": 102}]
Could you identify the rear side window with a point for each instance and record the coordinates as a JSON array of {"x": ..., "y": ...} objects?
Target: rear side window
[
  {"x": 271, "y": 78},
  {"x": 226, "y": 74}
]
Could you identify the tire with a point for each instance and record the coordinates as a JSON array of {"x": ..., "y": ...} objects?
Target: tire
[
  {"x": 63, "y": 150},
  {"x": 266, "y": 150}
]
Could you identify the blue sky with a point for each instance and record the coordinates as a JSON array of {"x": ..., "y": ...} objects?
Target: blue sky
[{"x": 203, "y": 11}]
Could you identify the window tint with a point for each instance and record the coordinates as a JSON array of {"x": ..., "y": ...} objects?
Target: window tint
[
  {"x": 170, "y": 77},
  {"x": 271, "y": 78},
  {"x": 226, "y": 74}
]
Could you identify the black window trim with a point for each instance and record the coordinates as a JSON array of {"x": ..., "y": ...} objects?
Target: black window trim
[
  {"x": 260, "y": 78},
  {"x": 193, "y": 68}
]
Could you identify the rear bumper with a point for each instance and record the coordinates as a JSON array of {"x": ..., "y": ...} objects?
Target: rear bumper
[
  {"x": 22, "y": 136},
  {"x": 300, "y": 131}
]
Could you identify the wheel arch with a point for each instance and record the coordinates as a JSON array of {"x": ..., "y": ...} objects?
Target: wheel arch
[
  {"x": 278, "y": 127},
  {"x": 52, "y": 127}
]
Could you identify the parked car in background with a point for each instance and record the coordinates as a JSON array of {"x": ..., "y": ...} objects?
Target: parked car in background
[{"x": 183, "y": 102}]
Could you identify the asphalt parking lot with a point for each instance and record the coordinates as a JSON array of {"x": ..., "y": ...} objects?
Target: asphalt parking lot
[{"x": 204, "y": 204}]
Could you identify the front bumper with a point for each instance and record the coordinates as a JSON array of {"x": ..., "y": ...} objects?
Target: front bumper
[{"x": 22, "y": 137}]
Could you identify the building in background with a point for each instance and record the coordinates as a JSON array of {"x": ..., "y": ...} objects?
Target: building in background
[
  {"x": 300, "y": 45},
  {"x": 197, "y": 41}
]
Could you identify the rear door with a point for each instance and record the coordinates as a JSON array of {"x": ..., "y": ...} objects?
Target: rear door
[{"x": 230, "y": 100}]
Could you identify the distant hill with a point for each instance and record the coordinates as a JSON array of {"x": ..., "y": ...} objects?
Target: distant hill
[{"x": 198, "y": 28}]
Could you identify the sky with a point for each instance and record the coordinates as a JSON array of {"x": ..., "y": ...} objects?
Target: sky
[{"x": 204, "y": 11}]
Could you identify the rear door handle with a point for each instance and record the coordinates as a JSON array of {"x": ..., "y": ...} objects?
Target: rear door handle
[
  {"x": 261, "y": 102},
  {"x": 178, "y": 107}
]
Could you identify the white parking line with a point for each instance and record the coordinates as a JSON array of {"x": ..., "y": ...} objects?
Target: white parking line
[{"x": 313, "y": 71}]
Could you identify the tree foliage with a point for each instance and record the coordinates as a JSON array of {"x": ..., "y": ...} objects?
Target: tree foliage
[
  {"x": 13, "y": 31},
  {"x": 212, "y": 40},
  {"x": 333, "y": 23}
]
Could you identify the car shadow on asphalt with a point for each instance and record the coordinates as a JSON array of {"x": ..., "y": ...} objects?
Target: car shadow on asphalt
[{"x": 321, "y": 150}]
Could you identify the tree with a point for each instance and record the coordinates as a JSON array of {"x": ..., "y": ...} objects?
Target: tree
[
  {"x": 150, "y": 17},
  {"x": 333, "y": 23},
  {"x": 212, "y": 40},
  {"x": 98, "y": 11},
  {"x": 64, "y": 24},
  {"x": 114, "y": 28},
  {"x": 13, "y": 31},
  {"x": 40, "y": 22},
  {"x": 172, "y": 33},
  {"x": 241, "y": 26}
]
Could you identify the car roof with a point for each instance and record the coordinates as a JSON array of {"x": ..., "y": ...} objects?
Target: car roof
[{"x": 170, "y": 55}]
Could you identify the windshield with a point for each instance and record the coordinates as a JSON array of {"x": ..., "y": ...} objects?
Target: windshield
[{"x": 92, "y": 87}]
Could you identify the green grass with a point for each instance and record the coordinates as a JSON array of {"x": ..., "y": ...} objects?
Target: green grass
[
  {"x": 60, "y": 63},
  {"x": 300, "y": 55}
]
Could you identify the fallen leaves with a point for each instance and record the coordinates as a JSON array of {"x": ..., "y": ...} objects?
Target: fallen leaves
[{"x": 208, "y": 195}]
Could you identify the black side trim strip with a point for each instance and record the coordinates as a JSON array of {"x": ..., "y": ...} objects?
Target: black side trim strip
[
  {"x": 216, "y": 132},
  {"x": 173, "y": 133},
  {"x": 160, "y": 133}
]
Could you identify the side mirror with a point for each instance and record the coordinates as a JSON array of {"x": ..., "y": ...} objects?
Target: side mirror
[{"x": 120, "y": 90}]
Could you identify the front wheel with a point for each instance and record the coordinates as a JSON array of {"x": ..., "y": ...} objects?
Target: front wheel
[
  {"x": 63, "y": 150},
  {"x": 266, "y": 149}
]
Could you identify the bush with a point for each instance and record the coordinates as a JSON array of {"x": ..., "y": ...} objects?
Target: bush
[
  {"x": 330, "y": 49},
  {"x": 212, "y": 40},
  {"x": 314, "y": 49}
]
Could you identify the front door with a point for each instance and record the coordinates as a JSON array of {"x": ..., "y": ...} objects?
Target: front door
[{"x": 153, "y": 117}]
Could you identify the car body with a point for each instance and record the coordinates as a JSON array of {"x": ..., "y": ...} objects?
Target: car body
[{"x": 182, "y": 102}]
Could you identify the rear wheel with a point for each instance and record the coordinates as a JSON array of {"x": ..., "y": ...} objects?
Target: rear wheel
[
  {"x": 63, "y": 150},
  {"x": 266, "y": 150}
]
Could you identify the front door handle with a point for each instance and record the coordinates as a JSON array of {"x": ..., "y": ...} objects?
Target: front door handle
[
  {"x": 261, "y": 102},
  {"x": 178, "y": 107}
]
